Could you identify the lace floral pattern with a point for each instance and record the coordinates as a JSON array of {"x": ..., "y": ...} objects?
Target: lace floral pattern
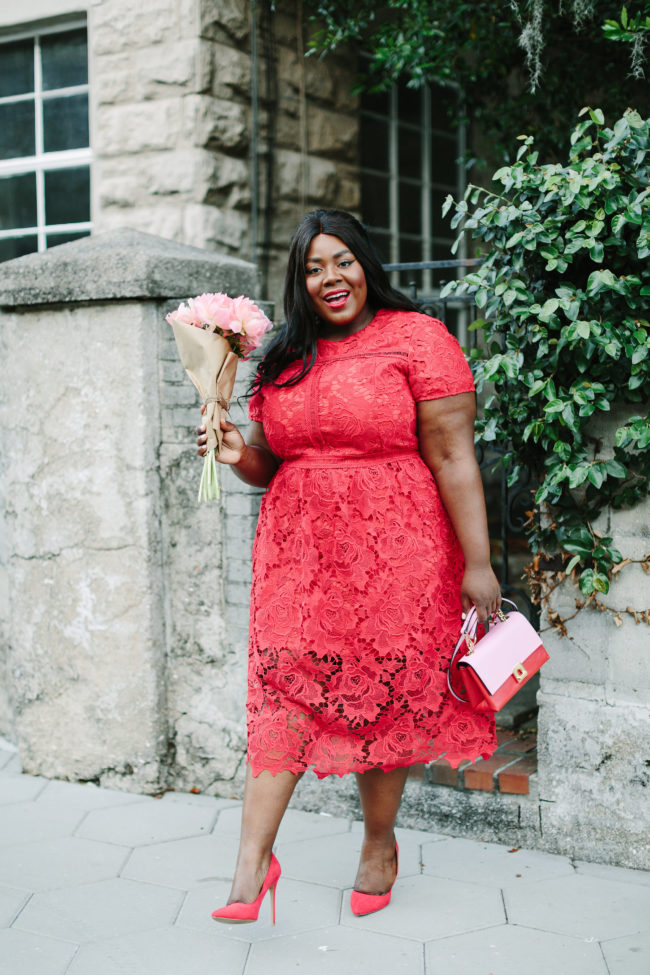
[{"x": 355, "y": 605}]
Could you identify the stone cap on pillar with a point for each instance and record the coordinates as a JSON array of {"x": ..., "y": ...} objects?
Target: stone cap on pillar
[{"x": 122, "y": 264}]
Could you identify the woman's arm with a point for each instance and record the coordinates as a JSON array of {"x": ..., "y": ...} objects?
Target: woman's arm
[
  {"x": 446, "y": 436},
  {"x": 253, "y": 461}
]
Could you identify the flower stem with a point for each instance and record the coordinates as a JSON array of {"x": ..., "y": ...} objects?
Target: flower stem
[{"x": 209, "y": 486}]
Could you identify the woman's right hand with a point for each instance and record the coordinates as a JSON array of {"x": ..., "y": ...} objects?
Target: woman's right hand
[{"x": 233, "y": 445}]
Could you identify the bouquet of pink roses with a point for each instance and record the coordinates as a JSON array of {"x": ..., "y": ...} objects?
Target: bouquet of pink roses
[{"x": 212, "y": 332}]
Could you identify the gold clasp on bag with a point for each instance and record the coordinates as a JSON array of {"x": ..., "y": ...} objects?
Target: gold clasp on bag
[
  {"x": 501, "y": 615},
  {"x": 519, "y": 673},
  {"x": 470, "y": 644}
]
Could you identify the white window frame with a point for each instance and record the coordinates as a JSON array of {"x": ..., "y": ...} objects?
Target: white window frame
[{"x": 42, "y": 162}]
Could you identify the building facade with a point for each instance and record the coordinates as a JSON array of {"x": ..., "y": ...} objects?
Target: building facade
[{"x": 203, "y": 122}]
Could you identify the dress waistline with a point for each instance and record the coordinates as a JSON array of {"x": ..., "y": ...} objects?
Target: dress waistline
[{"x": 352, "y": 460}]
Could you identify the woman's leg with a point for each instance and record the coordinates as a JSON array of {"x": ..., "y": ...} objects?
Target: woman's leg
[
  {"x": 266, "y": 798},
  {"x": 380, "y": 793}
]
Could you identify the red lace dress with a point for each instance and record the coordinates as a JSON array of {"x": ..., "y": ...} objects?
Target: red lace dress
[{"x": 355, "y": 604}]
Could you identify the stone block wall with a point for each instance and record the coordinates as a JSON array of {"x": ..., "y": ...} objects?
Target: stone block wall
[
  {"x": 119, "y": 663},
  {"x": 172, "y": 125},
  {"x": 594, "y": 720}
]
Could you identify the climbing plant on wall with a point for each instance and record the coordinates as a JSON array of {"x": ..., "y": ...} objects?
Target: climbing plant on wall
[{"x": 563, "y": 293}]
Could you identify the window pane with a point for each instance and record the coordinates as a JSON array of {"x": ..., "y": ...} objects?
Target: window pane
[
  {"x": 374, "y": 143},
  {"x": 445, "y": 167},
  {"x": 67, "y": 195},
  {"x": 18, "y": 201},
  {"x": 53, "y": 240},
  {"x": 375, "y": 102},
  {"x": 410, "y": 152},
  {"x": 64, "y": 59},
  {"x": 374, "y": 200},
  {"x": 381, "y": 242},
  {"x": 17, "y": 247},
  {"x": 444, "y": 107},
  {"x": 65, "y": 123},
  {"x": 17, "y": 130},
  {"x": 410, "y": 210},
  {"x": 409, "y": 105},
  {"x": 16, "y": 68},
  {"x": 410, "y": 250}
]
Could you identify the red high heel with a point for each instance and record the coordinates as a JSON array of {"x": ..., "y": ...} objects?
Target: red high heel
[
  {"x": 369, "y": 903},
  {"x": 241, "y": 913}
]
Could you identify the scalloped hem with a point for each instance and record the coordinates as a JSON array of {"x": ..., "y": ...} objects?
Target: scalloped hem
[{"x": 298, "y": 768}]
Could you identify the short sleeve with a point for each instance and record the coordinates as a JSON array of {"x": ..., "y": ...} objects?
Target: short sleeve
[
  {"x": 255, "y": 405},
  {"x": 437, "y": 366}
]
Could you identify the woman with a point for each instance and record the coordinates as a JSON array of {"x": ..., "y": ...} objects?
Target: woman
[{"x": 371, "y": 541}]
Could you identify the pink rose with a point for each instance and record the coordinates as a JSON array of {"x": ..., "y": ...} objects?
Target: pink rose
[
  {"x": 214, "y": 310},
  {"x": 184, "y": 314}
]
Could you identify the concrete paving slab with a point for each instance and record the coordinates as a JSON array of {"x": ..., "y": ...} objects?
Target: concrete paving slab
[
  {"x": 12, "y": 900},
  {"x": 166, "y": 951},
  {"x": 87, "y": 796},
  {"x": 296, "y": 825},
  {"x": 147, "y": 822},
  {"x": 183, "y": 863},
  {"x": 404, "y": 835},
  {"x": 20, "y": 788},
  {"x": 580, "y": 906},
  {"x": 423, "y": 908},
  {"x": 30, "y": 954},
  {"x": 299, "y": 907},
  {"x": 93, "y": 911},
  {"x": 198, "y": 799},
  {"x": 14, "y": 765},
  {"x": 334, "y": 859},
  {"x": 490, "y": 863},
  {"x": 31, "y": 822},
  {"x": 622, "y": 874},
  {"x": 628, "y": 956},
  {"x": 60, "y": 863},
  {"x": 336, "y": 951},
  {"x": 7, "y": 752},
  {"x": 509, "y": 950}
]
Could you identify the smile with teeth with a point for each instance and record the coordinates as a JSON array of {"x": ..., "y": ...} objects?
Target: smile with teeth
[{"x": 336, "y": 299}]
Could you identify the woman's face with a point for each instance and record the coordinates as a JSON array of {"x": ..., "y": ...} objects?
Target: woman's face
[{"x": 336, "y": 284}]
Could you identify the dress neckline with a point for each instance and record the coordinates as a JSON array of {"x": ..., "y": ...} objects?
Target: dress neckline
[{"x": 333, "y": 343}]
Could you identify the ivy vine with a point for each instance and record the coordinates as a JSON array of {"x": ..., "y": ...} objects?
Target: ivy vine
[{"x": 563, "y": 292}]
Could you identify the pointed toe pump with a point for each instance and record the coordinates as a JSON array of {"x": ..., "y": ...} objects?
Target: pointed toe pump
[
  {"x": 241, "y": 913},
  {"x": 369, "y": 903}
]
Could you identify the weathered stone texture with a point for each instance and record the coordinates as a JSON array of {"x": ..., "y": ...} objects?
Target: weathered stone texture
[
  {"x": 594, "y": 722},
  {"x": 118, "y": 662},
  {"x": 83, "y": 551},
  {"x": 171, "y": 119},
  {"x": 172, "y": 125}
]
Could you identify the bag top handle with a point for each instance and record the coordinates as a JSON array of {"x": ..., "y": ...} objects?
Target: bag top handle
[{"x": 468, "y": 633}]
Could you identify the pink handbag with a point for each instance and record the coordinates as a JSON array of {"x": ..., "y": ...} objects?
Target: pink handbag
[{"x": 498, "y": 664}]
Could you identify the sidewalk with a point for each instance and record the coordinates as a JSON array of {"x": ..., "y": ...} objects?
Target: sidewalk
[{"x": 95, "y": 882}]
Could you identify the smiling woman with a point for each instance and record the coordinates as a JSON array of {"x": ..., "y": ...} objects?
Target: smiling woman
[
  {"x": 371, "y": 539},
  {"x": 337, "y": 287}
]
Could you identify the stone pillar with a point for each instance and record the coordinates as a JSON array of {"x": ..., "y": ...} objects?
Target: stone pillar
[
  {"x": 110, "y": 574},
  {"x": 594, "y": 720}
]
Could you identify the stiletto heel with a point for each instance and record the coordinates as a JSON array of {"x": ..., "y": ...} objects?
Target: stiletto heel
[
  {"x": 361, "y": 903},
  {"x": 242, "y": 913}
]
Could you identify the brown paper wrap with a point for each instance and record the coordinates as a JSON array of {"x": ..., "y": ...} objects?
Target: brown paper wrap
[{"x": 211, "y": 364}]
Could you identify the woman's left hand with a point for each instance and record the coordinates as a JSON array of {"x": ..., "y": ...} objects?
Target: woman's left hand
[{"x": 480, "y": 588}]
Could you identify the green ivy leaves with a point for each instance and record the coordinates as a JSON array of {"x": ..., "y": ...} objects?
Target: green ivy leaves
[{"x": 563, "y": 294}]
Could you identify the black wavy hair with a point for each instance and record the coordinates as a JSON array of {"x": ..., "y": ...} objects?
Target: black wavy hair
[{"x": 297, "y": 338}]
